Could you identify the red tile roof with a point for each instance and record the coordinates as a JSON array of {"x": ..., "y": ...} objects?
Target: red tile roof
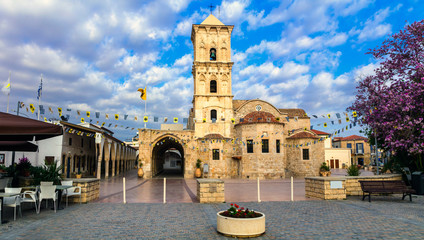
[
  {"x": 294, "y": 112},
  {"x": 213, "y": 136},
  {"x": 354, "y": 137},
  {"x": 319, "y": 132},
  {"x": 302, "y": 135},
  {"x": 259, "y": 117}
]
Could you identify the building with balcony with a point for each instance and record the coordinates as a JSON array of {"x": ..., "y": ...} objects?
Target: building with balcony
[{"x": 359, "y": 147}]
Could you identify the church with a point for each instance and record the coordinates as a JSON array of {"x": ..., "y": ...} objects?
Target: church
[{"x": 232, "y": 138}]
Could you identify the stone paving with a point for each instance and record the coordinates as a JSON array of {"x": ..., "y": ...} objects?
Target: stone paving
[
  {"x": 383, "y": 218},
  {"x": 145, "y": 217}
]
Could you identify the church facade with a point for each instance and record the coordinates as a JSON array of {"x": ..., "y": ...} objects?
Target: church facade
[{"x": 234, "y": 138}]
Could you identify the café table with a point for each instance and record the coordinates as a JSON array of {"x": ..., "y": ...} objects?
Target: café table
[
  {"x": 59, "y": 189},
  {"x": 2, "y": 196}
]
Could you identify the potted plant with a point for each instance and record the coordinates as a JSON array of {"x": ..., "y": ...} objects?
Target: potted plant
[
  {"x": 198, "y": 172},
  {"x": 47, "y": 173},
  {"x": 353, "y": 170},
  {"x": 140, "y": 171},
  {"x": 23, "y": 167},
  {"x": 240, "y": 222},
  {"x": 324, "y": 170}
]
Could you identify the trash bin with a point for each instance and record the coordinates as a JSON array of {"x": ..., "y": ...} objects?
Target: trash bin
[{"x": 418, "y": 182}]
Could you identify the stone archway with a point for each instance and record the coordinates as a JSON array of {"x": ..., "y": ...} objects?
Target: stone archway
[{"x": 168, "y": 157}]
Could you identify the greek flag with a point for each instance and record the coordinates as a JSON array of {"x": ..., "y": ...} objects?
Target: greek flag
[{"x": 40, "y": 89}]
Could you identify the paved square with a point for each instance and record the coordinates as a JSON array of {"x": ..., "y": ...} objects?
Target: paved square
[{"x": 383, "y": 218}]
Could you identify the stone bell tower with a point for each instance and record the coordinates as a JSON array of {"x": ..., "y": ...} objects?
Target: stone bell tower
[{"x": 212, "y": 99}]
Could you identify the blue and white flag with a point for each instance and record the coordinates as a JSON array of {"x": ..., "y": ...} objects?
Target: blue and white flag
[{"x": 40, "y": 89}]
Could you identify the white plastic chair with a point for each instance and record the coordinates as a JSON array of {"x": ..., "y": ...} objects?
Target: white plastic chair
[
  {"x": 73, "y": 191},
  {"x": 46, "y": 183},
  {"x": 13, "y": 201},
  {"x": 47, "y": 192},
  {"x": 30, "y": 196}
]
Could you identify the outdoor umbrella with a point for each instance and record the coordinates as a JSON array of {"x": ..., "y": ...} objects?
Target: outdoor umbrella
[
  {"x": 17, "y": 128},
  {"x": 18, "y": 146}
]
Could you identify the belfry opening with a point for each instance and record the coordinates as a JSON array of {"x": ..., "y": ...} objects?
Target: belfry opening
[{"x": 168, "y": 158}]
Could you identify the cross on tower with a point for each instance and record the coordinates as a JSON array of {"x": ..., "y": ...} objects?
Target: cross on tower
[{"x": 211, "y": 7}]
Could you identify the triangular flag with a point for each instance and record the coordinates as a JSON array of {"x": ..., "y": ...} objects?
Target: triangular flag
[
  {"x": 145, "y": 119},
  {"x": 88, "y": 114},
  {"x": 175, "y": 120},
  {"x": 116, "y": 116}
]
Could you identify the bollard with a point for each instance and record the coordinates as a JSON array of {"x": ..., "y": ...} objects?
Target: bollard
[
  {"x": 259, "y": 192},
  {"x": 291, "y": 189},
  {"x": 124, "y": 191},
  {"x": 164, "y": 190}
]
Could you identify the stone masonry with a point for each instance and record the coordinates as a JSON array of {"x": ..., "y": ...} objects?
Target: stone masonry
[{"x": 210, "y": 191}]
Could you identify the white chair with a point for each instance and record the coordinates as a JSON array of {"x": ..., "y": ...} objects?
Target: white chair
[
  {"x": 30, "y": 196},
  {"x": 13, "y": 201},
  {"x": 46, "y": 183},
  {"x": 73, "y": 191},
  {"x": 47, "y": 192}
]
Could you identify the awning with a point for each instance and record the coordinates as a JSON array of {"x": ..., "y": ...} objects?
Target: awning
[
  {"x": 18, "y": 146},
  {"x": 17, "y": 128}
]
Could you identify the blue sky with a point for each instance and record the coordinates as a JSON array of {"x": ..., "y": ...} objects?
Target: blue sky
[{"x": 94, "y": 55}]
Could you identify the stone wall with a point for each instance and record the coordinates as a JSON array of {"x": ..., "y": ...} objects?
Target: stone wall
[
  {"x": 269, "y": 165},
  {"x": 90, "y": 189},
  {"x": 320, "y": 187},
  {"x": 304, "y": 168},
  {"x": 210, "y": 191},
  {"x": 353, "y": 187}
]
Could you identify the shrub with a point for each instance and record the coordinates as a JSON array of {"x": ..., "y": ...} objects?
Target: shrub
[
  {"x": 353, "y": 170},
  {"x": 235, "y": 211},
  {"x": 324, "y": 167}
]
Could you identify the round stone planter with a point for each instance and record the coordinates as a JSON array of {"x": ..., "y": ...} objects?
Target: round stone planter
[{"x": 241, "y": 227}]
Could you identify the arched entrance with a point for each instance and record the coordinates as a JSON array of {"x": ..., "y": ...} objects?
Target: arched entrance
[{"x": 168, "y": 157}]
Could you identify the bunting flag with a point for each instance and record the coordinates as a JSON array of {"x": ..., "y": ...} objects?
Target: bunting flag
[
  {"x": 354, "y": 114},
  {"x": 165, "y": 119},
  {"x": 325, "y": 124},
  {"x": 78, "y": 112},
  {"x": 315, "y": 116},
  {"x": 41, "y": 109},
  {"x": 135, "y": 118},
  {"x": 145, "y": 119},
  {"x": 347, "y": 119},
  {"x": 155, "y": 119},
  {"x": 97, "y": 114},
  {"x": 116, "y": 116},
  {"x": 328, "y": 115},
  {"x": 288, "y": 119},
  {"x": 107, "y": 116},
  {"x": 103, "y": 123},
  {"x": 295, "y": 119},
  {"x": 175, "y": 120},
  {"x": 45, "y": 119},
  {"x": 59, "y": 110},
  {"x": 51, "y": 110},
  {"x": 32, "y": 108},
  {"x": 143, "y": 93},
  {"x": 338, "y": 115},
  {"x": 82, "y": 120},
  {"x": 125, "y": 117},
  {"x": 233, "y": 121},
  {"x": 204, "y": 120}
]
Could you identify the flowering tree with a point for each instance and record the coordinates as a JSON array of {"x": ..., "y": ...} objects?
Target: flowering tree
[{"x": 391, "y": 102}]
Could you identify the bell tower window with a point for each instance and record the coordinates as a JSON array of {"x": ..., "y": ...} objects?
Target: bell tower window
[
  {"x": 213, "y": 115},
  {"x": 213, "y": 54},
  {"x": 213, "y": 86}
]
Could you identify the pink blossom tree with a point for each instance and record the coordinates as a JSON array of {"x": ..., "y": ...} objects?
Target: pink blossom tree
[{"x": 391, "y": 102}]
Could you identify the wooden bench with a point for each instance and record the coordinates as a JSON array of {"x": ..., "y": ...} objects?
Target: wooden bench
[{"x": 393, "y": 186}]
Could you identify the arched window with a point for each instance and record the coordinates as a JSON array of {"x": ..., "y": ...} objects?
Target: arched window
[
  {"x": 213, "y": 115},
  {"x": 213, "y": 54},
  {"x": 213, "y": 86}
]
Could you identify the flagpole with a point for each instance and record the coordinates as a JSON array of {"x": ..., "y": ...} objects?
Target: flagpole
[
  {"x": 8, "y": 96},
  {"x": 39, "y": 98}
]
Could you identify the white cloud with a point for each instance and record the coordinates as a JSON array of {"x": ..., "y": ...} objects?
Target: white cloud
[{"x": 374, "y": 27}]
